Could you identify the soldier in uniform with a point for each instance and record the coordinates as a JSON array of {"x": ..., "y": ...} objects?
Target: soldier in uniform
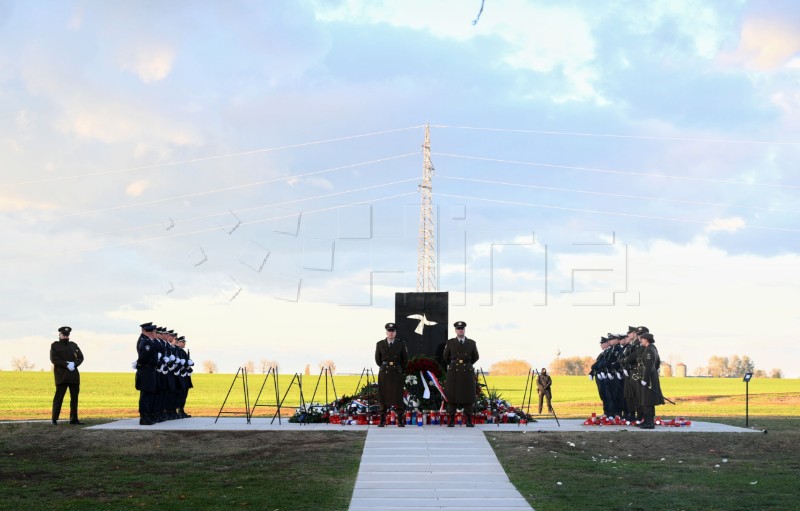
[
  {"x": 543, "y": 384},
  {"x": 614, "y": 375},
  {"x": 460, "y": 353},
  {"x": 630, "y": 387},
  {"x": 146, "y": 363},
  {"x": 185, "y": 375},
  {"x": 651, "y": 385},
  {"x": 66, "y": 356},
  {"x": 598, "y": 373},
  {"x": 391, "y": 355}
]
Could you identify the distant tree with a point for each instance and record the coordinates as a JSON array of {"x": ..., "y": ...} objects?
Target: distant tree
[
  {"x": 22, "y": 364},
  {"x": 250, "y": 367},
  {"x": 718, "y": 366},
  {"x": 776, "y": 373},
  {"x": 573, "y": 366},
  {"x": 307, "y": 371},
  {"x": 210, "y": 366},
  {"x": 666, "y": 369},
  {"x": 329, "y": 364},
  {"x": 738, "y": 366},
  {"x": 510, "y": 368},
  {"x": 760, "y": 373},
  {"x": 700, "y": 371},
  {"x": 266, "y": 365}
]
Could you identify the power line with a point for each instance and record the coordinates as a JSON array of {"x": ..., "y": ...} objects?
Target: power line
[
  {"x": 208, "y": 158},
  {"x": 611, "y": 171},
  {"x": 611, "y": 135},
  {"x": 237, "y": 187},
  {"x": 276, "y": 204},
  {"x": 201, "y": 231},
  {"x": 620, "y": 195},
  {"x": 594, "y": 211}
]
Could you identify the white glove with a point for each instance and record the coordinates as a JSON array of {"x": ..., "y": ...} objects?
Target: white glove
[
  {"x": 159, "y": 355},
  {"x": 183, "y": 361},
  {"x": 619, "y": 376},
  {"x": 133, "y": 364},
  {"x": 191, "y": 362},
  {"x": 600, "y": 376},
  {"x": 625, "y": 371},
  {"x": 644, "y": 383},
  {"x": 71, "y": 366},
  {"x": 591, "y": 377},
  {"x": 172, "y": 358}
]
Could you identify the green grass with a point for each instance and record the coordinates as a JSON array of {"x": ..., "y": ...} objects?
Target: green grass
[
  {"x": 29, "y": 395},
  {"x": 667, "y": 471},
  {"x": 65, "y": 467}
]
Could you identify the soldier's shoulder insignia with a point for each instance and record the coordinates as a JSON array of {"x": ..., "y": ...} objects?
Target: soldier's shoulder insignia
[
  {"x": 649, "y": 356},
  {"x": 147, "y": 348}
]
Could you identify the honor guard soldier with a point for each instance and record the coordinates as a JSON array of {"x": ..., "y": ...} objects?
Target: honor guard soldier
[
  {"x": 391, "y": 355},
  {"x": 186, "y": 376},
  {"x": 66, "y": 356},
  {"x": 627, "y": 360},
  {"x": 146, "y": 364},
  {"x": 598, "y": 373},
  {"x": 651, "y": 385},
  {"x": 460, "y": 353}
]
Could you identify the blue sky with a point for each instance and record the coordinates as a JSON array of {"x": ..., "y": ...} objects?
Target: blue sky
[{"x": 246, "y": 173}]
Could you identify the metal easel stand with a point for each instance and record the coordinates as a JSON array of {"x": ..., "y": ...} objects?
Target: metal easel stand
[
  {"x": 492, "y": 402},
  {"x": 328, "y": 374},
  {"x": 529, "y": 385},
  {"x": 243, "y": 372},
  {"x": 303, "y": 409},
  {"x": 273, "y": 371},
  {"x": 368, "y": 375}
]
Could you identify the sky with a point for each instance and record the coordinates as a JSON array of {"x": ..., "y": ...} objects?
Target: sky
[{"x": 246, "y": 173}]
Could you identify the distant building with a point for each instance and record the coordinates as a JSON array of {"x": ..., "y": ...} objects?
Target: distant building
[{"x": 680, "y": 370}]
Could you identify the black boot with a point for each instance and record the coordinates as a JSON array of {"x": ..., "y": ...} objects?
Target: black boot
[
  {"x": 382, "y": 423},
  {"x": 469, "y": 422},
  {"x": 451, "y": 422}
]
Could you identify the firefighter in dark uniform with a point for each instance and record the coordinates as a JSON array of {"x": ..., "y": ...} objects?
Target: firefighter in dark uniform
[
  {"x": 66, "y": 356},
  {"x": 651, "y": 385},
  {"x": 460, "y": 353},
  {"x": 391, "y": 355}
]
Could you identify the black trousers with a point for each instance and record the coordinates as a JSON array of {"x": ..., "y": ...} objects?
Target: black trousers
[
  {"x": 451, "y": 408},
  {"x": 58, "y": 399}
]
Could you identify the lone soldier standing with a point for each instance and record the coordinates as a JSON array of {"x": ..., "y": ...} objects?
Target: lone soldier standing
[
  {"x": 543, "y": 384},
  {"x": 66, "y": 356},
  {"x": 459, "y": 354},
  {"x": 391, "y": 355}
]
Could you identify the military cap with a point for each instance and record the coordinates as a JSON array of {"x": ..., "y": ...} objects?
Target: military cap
[
  {"x": 460, "y": 324},
  {"x": 642, "y": 330},
  {"x": 611, "y": 336},
  {"x": 161, "y": 329},
  {"x": 65, "y": 330},
  {"x": 603, "y": 339},
  {"x": 170, "y": 332},
  {"x": 631, "y": 329},
  {"x": 181, "y": 339},
  {"x": 148, "y": 327},
  {"x": 649, "y": 337},
  {"x": 390, "y": 327}
]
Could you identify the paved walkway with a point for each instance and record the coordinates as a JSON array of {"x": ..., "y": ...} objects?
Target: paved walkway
[{"x": 454, "y": 467}]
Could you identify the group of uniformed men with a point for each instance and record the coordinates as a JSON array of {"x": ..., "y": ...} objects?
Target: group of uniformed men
[
  {"x": 460, "y": 353},
  {"x": 163, "y": 374},
  {"x": 626, "y": 373}
]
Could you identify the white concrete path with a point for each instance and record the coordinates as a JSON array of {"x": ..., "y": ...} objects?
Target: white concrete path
[{"x": 431, "y": 467}]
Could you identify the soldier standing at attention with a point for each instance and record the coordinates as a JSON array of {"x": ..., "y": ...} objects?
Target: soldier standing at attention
[
  {"x": 459, "y": 354},
  {"x": 651, "y": 385},
  {"x": 66, "y": 356},
  {"x": 185, "y": 375},
  {"x": 543, "y": 384},
  {"x": 391, "y": 355},
  {"x": 146, "y": 363}
]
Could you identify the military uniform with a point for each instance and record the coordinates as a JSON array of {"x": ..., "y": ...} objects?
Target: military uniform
[
  {"x": 391, "y": 355},
  {"x": 146, "y": 381},
  {"x": 460, "y": 387},
  {"x": 651, "y": 385},
  {"x": 630, "y": 389},
  {"x": 543, "y": 386},
  {"x": 598, "y": 372},
  {"x": 66, "y": 356}
]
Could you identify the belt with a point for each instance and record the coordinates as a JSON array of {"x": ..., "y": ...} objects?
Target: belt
[
  {"x": 387, "y": 363},
  {"x": 457, "y": 360}
]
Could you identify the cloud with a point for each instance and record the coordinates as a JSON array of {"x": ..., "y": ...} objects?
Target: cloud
[
  {"x": 151, "y": 65},
  {"x": 136, "y": 188},
  {"x": 732, "y": 224},
  {"x": 19, "y": 204},
  {"x": 765, "y": 45}
]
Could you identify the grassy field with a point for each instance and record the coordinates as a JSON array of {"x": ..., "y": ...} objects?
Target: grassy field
[{"x": 29, "y": 395}]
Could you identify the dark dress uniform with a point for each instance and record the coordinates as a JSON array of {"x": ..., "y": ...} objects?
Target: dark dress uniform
[
  {"x": 460, "y": 386},
  {"x": 651, "y": 385},
  {"x": 64, "y": 354},
  {"x": 631, "y": 391},
  {"x": 146, "y": 378},
  {"x": 598, "y": 373},
  {"x": 543, "y": 386},
  {"x": 392, "y": 360}
]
